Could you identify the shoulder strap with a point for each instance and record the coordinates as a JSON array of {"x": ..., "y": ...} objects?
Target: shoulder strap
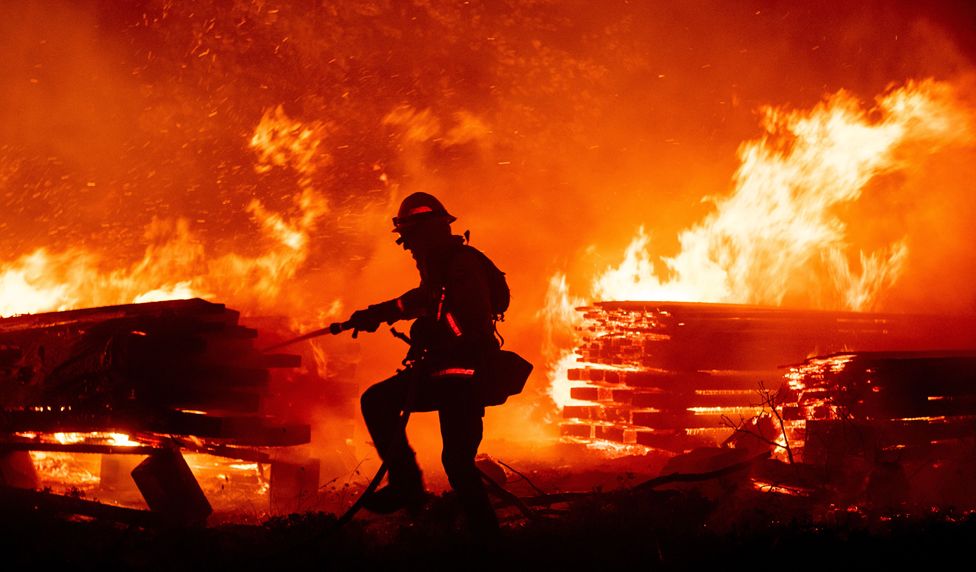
[{"x": 497, "y": 288}]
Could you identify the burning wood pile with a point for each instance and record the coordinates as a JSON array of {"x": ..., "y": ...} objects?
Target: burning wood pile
[
  {"x": 146, "y": 379},
  {"x": 909, "y": 405},
  {"x": 674, "y": 376}
]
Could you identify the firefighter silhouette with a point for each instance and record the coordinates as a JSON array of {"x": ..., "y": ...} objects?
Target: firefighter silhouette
[{"x": 455, "y": 309}]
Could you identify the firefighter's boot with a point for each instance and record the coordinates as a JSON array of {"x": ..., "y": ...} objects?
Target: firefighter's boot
[{"x": 405, "y": 490}]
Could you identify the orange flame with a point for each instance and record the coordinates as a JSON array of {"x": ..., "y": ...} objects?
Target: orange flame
[
  {"x": 175, "y": 264},
  {"x": 559, "y": 316},
  {"x": 777, "y": 236}
]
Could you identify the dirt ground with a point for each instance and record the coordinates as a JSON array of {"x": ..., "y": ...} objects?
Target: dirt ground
[{"x": 609, "y": 520}]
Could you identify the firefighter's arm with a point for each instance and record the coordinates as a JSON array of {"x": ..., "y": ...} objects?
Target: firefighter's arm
[{"x": 408, "y": 306}]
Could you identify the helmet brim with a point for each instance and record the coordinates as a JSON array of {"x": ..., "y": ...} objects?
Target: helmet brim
[{"x": 403, "y": 223}]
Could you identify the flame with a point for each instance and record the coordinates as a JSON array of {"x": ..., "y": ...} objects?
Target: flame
[
  {"x": 121, "y": 440},
  {"x": 24, "y": 288},
  {"x": 115, "y": 439},
  {"x": 559, "y": 316},
  {"x": 559, "y": 384},
  {"x": 176, "y": 264},
  {"x": 282, "y": 142},
  {"x": 70, "y": 438},
  {"x": 778, "y": 235},
  {"x": 178, "y": 291}
]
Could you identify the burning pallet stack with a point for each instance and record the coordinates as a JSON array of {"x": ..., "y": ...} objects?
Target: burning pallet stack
[
  {"x": 673, "y": 376},
  {"x": 166, "y": 376},
  {"x": 908, "y": 406},
  {"x": 176, "y": 368}
]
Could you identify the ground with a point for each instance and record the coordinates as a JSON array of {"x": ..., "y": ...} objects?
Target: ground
[{"x": 722, "y": 523}]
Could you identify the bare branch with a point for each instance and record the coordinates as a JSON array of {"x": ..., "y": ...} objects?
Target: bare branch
[
  {"x": 770, "y": 399},
  {"x": 506, "y": 495},
  {"x": 526, "y": 479}
]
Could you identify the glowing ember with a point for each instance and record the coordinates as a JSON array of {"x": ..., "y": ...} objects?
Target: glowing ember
[
  {"x": 67, "y": 438},
  {"x": 66, "y": 472},
  {"x": 121, "y": 440}
]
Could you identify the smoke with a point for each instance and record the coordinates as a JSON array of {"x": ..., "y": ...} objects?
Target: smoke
[{"x": 552, "y": 130}]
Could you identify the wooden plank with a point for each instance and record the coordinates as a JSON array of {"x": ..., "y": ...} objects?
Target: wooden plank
[
  {"x": 672, "y": 440},
  {"x": 196, "y": 306},
  {"x": 68, "y": 422},
  {"x": 585, "y": 393},
  {"x": 699, "y": 380},
  {"x": 184, "y": 423},
  {"x": 921, "y": 406},
  {"x": 685, "y": 399},
  {"x": 264, "y": 432},
  {"x": 623, "y": 396},
  {"x": 677, "y": 419},
  {"x": 213, "y": 400},
  {"x": 615, "y": 433},
  {"x": 922, "y": 375},
  {"x": 596, "y": 413},
  {"x": 833, "y": 437},
  {"x": 213, "y": 376},
  {"x": 581, "y": 412},
  {"x": 20, "y": 445},
  {"x": 577, "y": 430},
  {"x": 14, "y": 500},
  {"x": 709, "y": 325}
]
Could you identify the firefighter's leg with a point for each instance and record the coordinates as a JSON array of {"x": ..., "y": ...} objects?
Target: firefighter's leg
[
  {"x": 461, "y": 431},
  {"x": 382, "y": 405}
]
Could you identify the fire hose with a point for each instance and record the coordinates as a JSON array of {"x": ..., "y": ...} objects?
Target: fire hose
[
  {"x": 336, "y": 329},
  {"x": 332, "y": 329}
]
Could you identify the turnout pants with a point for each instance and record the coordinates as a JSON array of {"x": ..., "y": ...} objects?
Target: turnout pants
[{"x": 461, "y": 427}]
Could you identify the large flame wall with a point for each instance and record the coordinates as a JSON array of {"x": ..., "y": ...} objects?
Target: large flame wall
[{"x": 253, "y": 152}]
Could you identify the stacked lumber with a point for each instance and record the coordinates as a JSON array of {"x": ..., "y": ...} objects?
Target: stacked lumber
[
  {"x": 183, "y": 368},
  {"x": 674, "y": 376},
  {"x": 912, "y": 405}
]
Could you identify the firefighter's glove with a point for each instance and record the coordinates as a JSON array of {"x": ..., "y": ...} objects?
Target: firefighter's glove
[{"x": 367, "y": 320}]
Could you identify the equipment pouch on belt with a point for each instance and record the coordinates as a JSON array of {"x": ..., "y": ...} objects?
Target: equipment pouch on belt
[{"x": 503, "y": 374}]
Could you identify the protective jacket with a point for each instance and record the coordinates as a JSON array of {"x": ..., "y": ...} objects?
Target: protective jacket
[{"x": 454, "y": 330}]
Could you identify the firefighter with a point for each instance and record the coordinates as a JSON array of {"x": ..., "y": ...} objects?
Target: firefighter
[{"x": 453, "y": 334}]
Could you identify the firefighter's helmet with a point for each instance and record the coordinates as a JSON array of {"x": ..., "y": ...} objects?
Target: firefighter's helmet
[{"x": 417, "y": 208}]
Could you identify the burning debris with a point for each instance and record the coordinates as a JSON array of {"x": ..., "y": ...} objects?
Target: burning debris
[
  {"x": 887, "y": 426},
  {"x": 878, "y": 406},
  {"x": 671, "y": 376},
  {"x": 146, "y": 380}
]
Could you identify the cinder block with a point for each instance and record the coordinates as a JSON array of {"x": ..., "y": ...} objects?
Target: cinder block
[
  {"x": 17, "y": 470},
  {"x": 170, "y": 489}
]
